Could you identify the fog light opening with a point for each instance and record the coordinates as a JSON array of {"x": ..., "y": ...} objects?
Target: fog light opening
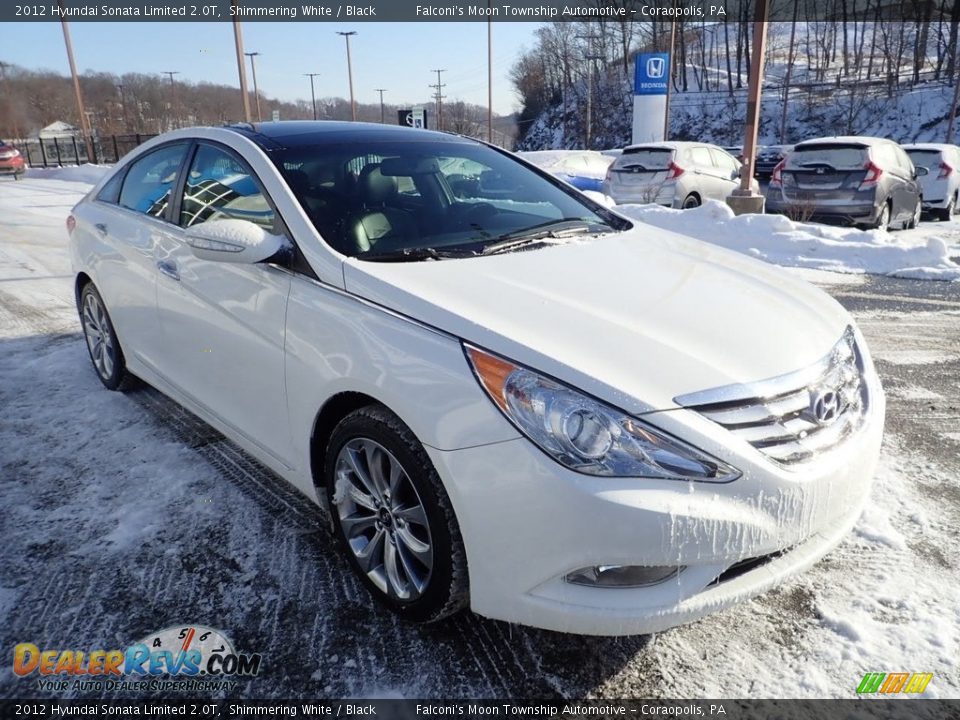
[{"x": 622, "y": 576}]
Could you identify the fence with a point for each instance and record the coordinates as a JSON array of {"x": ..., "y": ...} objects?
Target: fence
[{"x": 72, "y": 150}]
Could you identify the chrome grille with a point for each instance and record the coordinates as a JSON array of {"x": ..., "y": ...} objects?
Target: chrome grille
[{"x": 795, "y": 417}]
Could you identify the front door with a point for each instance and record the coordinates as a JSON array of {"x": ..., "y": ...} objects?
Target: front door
[{"x": 223, "y": 323}]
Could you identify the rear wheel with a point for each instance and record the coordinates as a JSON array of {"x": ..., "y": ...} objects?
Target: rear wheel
[
  {"x": 393, "y": 517},
  {"x": 883, "y": 217},
  {"x": 946, "y": 213},
  {"x": 102, "y": 343},
  {"x": 691, "y": 201},
  {"x": 915, "y": 218}
]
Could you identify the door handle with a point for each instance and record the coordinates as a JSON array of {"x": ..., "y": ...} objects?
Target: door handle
[
  {"x": 101, "y": 228},
  {"x": 169, "y": 269}
]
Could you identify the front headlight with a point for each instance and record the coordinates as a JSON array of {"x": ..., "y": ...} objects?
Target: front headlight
[{"x": 585, "y": 434}]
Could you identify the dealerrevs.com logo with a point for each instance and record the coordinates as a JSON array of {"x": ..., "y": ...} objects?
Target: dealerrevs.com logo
[
  {"x": 893, "y": 683},
  {"x": 188, "y": 657}
]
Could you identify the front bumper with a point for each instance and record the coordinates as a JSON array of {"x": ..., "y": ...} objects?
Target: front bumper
[
  {"x": 8, "y": 167},
  {"x": 527, "y": 522}
]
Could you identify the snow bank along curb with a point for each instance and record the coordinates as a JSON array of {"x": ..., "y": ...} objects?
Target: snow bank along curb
[
  {"x": 779, "y": 240},
  {"x": 84, "y": 173}
]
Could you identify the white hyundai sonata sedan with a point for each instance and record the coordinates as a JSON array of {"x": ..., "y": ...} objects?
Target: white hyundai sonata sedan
[{"x": 505, "y": 395}]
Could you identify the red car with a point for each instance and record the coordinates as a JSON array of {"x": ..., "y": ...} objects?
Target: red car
[{"x": 11, "y": 161}]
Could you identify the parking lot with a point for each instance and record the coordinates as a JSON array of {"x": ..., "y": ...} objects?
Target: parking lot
[{"x": 124, "y": 515}]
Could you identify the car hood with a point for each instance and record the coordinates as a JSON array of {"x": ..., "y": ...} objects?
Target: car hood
[{"x": 635, "y": 318}]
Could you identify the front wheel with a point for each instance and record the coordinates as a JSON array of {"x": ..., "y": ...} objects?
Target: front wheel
[
  {"x": 102, "y": 343},
  {"x": 393, "y": 517}
]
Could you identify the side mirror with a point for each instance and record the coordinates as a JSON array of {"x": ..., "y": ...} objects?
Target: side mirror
[
  {"x": 920, "y": 171},
  {"x": 233, "y": 241}
]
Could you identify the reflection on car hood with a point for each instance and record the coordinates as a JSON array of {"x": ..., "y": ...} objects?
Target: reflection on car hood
[{"x": 636, "y": 318}]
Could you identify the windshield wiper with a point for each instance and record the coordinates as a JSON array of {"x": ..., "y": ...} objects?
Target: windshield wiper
[
  {"x": 414, "y": 254},
  {"x": 554, "y": 230}
]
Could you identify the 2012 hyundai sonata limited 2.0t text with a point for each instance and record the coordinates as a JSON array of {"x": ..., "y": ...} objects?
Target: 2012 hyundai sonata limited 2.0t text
[{"x": 507, "y": 396}]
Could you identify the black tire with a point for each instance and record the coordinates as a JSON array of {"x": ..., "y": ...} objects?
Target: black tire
[
  {"x": 883, "y": 217},
  {"x": 914, "y": 219},
  {"x": 446, "y": 589},
  {"x": 114, "y": 375},
  {"x": 690, "y": 201},
  {"x": 946, "y": 213}
]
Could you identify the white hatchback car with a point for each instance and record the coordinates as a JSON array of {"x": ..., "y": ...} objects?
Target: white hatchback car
[
  {"x": 507, "y": 396},
  {"x": 941, "y": 183}
]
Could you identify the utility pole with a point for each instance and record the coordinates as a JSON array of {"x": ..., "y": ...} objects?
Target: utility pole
[
  {"x": 490, "y": 71},
  {"x": 742, "y": 200},
  {"x": 173, "y": 96},
  {"x": 9, "y": 95},
  {"x": 353, "y": 104},
  {"x": 241, "y": 65},
  {"x": 953, "y": 109},
  {"x": 84, "y": 123},
  {"x": 589, "y": 56},
  {"x": 439, "y": 86},
  {"x": 256, "y": 92},
  {"x": 313, "y": 95},
  {"x": 123, "y": 107},
  {"x": 381, "y": 91},
  {"x": 666, "y": 111}
]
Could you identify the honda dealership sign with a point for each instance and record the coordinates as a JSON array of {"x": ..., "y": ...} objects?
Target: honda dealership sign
[{"x": 650, "y": 78}]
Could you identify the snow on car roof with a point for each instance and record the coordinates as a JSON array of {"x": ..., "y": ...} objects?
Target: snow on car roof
[{"x": 864, "y": 140}]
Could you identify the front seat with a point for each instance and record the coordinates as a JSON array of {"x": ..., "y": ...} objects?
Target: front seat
[{"x": 377, "y": 223}]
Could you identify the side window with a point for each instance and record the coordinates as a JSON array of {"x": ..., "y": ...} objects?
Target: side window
[
  {"x": 148, "y": 182},
  {"x": 727, "y": 165},
  {"x": 110, "y": 193},
  {"x": 218, "y": 187},
  {"x": 701, "y": 156}
]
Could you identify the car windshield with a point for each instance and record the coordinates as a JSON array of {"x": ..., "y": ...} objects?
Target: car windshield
[
  {"x": 837, "y": 157},
  {"x": 427, "y": 199},
  {"x": 646, "y": 158},
  {"x": 925, "y": 158}
]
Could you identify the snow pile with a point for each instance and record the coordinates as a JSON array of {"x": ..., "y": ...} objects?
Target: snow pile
[
  {"x": 87, "y": 173},
  {"x": 779, "y": 240}
]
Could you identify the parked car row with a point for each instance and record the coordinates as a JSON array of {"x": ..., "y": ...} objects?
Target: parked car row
[{"x": 851, "y": 180}]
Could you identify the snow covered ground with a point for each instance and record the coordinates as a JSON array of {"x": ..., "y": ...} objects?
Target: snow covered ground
[
  {"x": 122, "y": 515},
  {"x": 923, "y": 254}
]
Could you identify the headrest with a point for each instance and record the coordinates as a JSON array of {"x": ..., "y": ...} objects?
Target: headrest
[{"x": 374, "y": 186}]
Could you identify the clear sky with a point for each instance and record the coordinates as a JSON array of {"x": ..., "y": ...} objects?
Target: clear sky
[{"x": 396, "y": 56}]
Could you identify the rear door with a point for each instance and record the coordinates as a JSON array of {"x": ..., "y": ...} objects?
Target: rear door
[
  {"x": 899, "y": 183},
  {"x": 728, "y": 170},
  {"x": 127, "y": 221},
  {"x": 708, "y": 182},
  {"x": 223, "y": 324},
  {"x": 824, "y": 172}
]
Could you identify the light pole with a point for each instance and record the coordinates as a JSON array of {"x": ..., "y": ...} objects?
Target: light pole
[
  {"x": 123, "y": 108},
  {"x": 241, "y": 65},
  {"x": 173, "y": 95},
  {"x": 489, "y": 73},
  {"x": 353, "y": 105},
  {"x": 84, "y": 123},
  {"x": 313, "y": 95},
  {"x": 381, "y": 91},
  {"x": 256, "y": 92}
]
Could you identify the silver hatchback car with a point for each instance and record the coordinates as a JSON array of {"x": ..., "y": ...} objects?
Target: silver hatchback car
[{"x": 675, "y": 174}]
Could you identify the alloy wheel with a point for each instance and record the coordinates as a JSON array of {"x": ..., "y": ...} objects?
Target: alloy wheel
[
  {"x": 383, "y": 519},
  {"x": 99, "y": 336}
]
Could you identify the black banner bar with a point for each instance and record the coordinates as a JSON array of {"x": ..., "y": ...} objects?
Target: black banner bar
[
  {"x": 360, "y": 11},
  {"x": 205, "y": 709}
]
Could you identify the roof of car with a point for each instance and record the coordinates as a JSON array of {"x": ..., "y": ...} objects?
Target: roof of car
[
  {"x": 844, "y": 140},
  {"x": 301, "y": 133},
  {"x": 929, "y": 146},
  {"x": 670, "y": 145}
]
